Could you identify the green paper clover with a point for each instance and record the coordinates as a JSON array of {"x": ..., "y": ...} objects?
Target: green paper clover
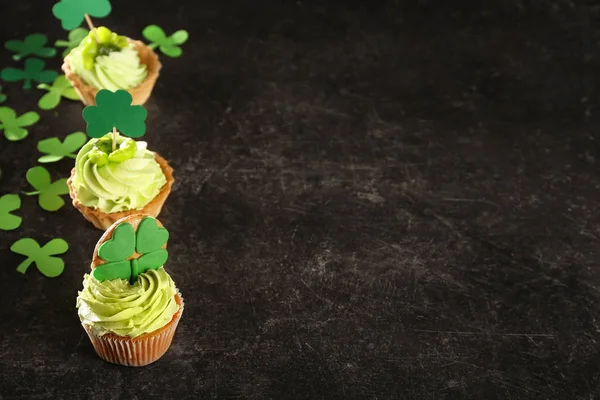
[
  {"x": 61, "y": 87},
  {"x": 33, "y": 45},
  {"x": 167, "y": 45},
  {"x": 125, "y": 243},
  {"x": 75, "y": 37},
  {"x": 41, "y": 256},
  {"x": 49, "y": 192},
  {"x": 56, "y": 151},
  {"x": 114, "y": 110},
  {"x": 72, "y": 12},
  {"x": 13, "y": 126},
  {"x": 2, "y": 96},
  {"x": 8, "y": 204},
  {"x": 33, "y": 71}
]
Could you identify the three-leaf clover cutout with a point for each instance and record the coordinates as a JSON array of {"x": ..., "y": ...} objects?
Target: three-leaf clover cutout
[
  {"x": 56, "y": 150},
  {"x": 61, "y": 87},
  {"x": 42, "y": 256},
  {"x": 72, "y": 12},
  {"x": 129, "y": 253},
  {"x": 33, "y": 45},
  {"x": 13, "y": 126},
  {"x": 49, "y": 192},
  {"x": 114, "y": 110},
  {"x": 169, "y": 46},
  {"x": 2, "y": 96},
  {"x": 33, "y": 71},
  {"x": 75, "y": 38},
  {"x": 8, "y": 204}
]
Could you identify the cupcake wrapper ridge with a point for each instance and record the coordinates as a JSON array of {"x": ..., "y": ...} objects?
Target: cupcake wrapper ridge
[{"x": 138, "y": 351}]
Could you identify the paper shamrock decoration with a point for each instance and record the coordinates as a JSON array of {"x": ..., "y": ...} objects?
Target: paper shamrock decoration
[
  {"x": 33, "y": 45},
  {"x": 42, "y": 256},
  {"x": 114, "y": 110},
  {"x": 8, "y": 204},
  {"x": 49, "y": 192},
  {"x": 33, "y": 71},
  {"x": 129, "y": 253},
  {"x": 72, "y": 12},
  {"x": 56, "y": 150},
  {"x": 2, "y": 96},
  {"x": 75, "y": 37},
  {"x": 167, "y": 45},
  {"x": 61, "y": 87},
  {"x": 13, "y": 126}
]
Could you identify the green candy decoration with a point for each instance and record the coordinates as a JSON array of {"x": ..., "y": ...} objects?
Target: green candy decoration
[
  {"x": 101, "y": 153},
  {"x": 2, "y": 96},
  {"x": 75, "y": 37},
  {"x": 61, "y": 87},
  {"x": 125, "y": 152},
  {"x": 42, "y": 256},
  {"x": 72, "y": 12},
  {"x": 150, "y": 260},
  {"x": 101, "y": 42},
  {"x": 148, "y": 241},
  {"x": 167, "y": 45},
  {"x": 114, "y": 110},
  {"x": 33, "y": 45},
  {"x": 32, "y": 71},
  {"x": 150, "y": 236},
  {"x": 104, "y": 143},
  {"x": 121, "y": 246},
  {"x": 114, "y": 270},
  {"x": 102, "y": 147},
  {"x": 98, "y": 157},
  {"x": 13, "y": 126}
]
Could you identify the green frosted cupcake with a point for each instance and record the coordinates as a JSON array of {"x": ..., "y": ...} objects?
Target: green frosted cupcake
[
  {"x": 129, "y": 305},
  {"x": 123, "y": 180},
  {"x": 105, "y": 60},
  {"x": 108, "y": 185}
]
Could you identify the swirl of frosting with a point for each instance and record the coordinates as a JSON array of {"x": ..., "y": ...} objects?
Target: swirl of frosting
[
  {"x": 116, "y": 70},
  {"x": 118, "y": 307},
  {"x": 115, "y": 187}
]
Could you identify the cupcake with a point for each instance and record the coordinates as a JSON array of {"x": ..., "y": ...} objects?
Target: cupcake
[
  {"x": 114, "y": 175},
  {"x": 106, "y": 185},
  {"x": 105, "y": 60},
  {"x": 129, "y": 305}
]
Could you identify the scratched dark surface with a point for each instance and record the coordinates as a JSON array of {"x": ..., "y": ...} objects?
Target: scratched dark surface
[{"x": 385, "y": 201}]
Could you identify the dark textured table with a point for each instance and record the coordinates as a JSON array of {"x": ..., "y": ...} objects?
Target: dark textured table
[{"x": 383, "y": 201}]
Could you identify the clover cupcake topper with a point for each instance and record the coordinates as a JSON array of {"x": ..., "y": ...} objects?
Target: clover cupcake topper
[
  {"x": 71, "y": 13},
  {"x": 113, "y": 111},
  {"x": 130, "y": 252}
]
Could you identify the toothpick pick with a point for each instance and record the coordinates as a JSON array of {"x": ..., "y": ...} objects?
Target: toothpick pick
[
  {"x": 114, "y": 141},
  {"x": 91, "y": 26}
]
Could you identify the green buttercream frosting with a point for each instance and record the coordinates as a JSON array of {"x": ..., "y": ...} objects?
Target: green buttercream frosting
[
  {"x": 117, "y": 186},
  {"x": 111, "y": 64},
  {"x": 118, "y": 307}
]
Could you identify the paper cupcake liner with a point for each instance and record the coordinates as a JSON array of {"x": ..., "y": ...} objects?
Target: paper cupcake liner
[
  {"x": 140, "y": 93},
  {"x": 102, "y": 220},
  {"x": 138, "y": 351}
]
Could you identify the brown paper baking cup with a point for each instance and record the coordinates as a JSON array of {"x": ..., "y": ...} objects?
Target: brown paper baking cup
[
  {"x": 140, "y": 93},
  {"x": 102, "y": 220},
  {"x": 137, "y": 351}
]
